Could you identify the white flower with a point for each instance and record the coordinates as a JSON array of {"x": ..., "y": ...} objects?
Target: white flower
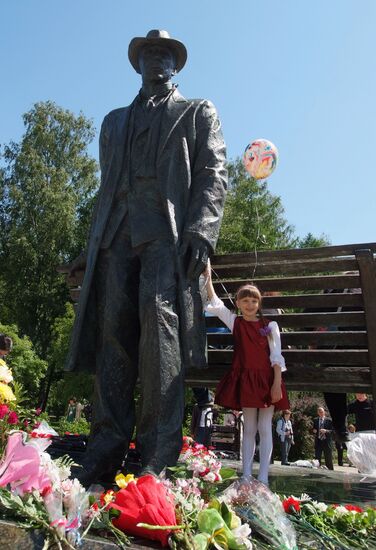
[
  {"x": 319, "y": 506},
  {"x": 340, "y": 511},
  {"x": 211, "y": 477},
  {"x": 64, "y": 472},
  {"x": 5, "y": 373},
  {"x": 182, "y": 483},
  {"x": 197, "y": 466},
  {"x": 241, "y": 535},
  {"x": 235, "y": 521}
]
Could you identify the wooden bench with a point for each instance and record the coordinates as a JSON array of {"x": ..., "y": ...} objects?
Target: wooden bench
[{"x": 340, "y": 358}]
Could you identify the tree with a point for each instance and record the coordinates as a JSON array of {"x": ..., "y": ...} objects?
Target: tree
[
  {"x": 253, "y": 217},
  {"x": 310, "y": 241},
  {"x": 47, "y": 186},
  {"x": 60, "y": 386}
]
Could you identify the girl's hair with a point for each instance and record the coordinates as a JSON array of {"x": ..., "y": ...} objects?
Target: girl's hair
[
  {"x": 6, "y": 342},
  {"x": 250, "y": 291},
  {"x": 286, "y": 411}
]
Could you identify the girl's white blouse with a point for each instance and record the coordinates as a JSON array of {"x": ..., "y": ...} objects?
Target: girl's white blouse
[{"x": 217, "y": 307}]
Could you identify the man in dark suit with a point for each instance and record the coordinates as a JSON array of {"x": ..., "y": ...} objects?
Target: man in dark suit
[
  {"x": 323, "y": 428},
  {"x": 156, "y": 221}
]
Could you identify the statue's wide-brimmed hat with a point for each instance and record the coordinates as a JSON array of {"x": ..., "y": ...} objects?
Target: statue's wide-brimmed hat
[{"x": 162, "y": 38}]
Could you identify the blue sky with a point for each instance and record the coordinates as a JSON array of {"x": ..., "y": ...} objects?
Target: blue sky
[{"x": 299, "y": 73}]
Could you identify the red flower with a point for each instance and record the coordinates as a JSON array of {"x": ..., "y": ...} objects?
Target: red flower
[
  {"x": 290, "y": 505},
  {"x": 4, "y": 409},
  {"x": 352, "y": 508},
  {"x": 46, "y": 491},
  {"x": 144, "y": 502},
  {"x": 132, "y": 445},
  {"x": 38, "y": 411},
  {"x": 12, "y": 418}
]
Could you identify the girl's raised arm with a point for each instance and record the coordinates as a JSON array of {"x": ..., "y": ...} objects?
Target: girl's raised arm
[{"x": 215, "y": 306}]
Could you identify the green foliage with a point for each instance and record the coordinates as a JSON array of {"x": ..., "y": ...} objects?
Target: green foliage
[
  {"x": 47, "y": 185},
  {"x": 61, "y": 333},
  {"x": 310, "y": 241},
  {"x": 28, "y": 368},
  {"x": 253, "y": 217},
  {"x": 79, "y": 385},
  {"x": 65, "y": 385},
  {"x": 80, "y": 426}
]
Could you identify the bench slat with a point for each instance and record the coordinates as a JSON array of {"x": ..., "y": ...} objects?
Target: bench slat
[
  {"x": 291, "y": 254},
  {"x": 287, "y": 268},
  {"x": 306, "y": 320},
  {"x": 298, "y": 378},
  {"x": 340, "y": 338},
  {"x": 319, "y": 301},
  {"x": 326, "y": 357},
  {"x": 320, "y": 282}
]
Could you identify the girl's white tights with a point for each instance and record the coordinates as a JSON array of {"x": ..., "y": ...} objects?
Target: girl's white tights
[{"x": 257, "y": 420}]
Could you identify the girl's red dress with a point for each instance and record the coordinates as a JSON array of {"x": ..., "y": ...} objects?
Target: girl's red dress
[{"x": 250, "y": 379}]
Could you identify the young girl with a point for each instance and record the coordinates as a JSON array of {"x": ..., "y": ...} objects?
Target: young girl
[{"x": 254, "y": 383}]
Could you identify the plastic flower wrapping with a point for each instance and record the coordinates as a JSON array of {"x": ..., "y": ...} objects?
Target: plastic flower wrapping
[
  {"x": 262, "y": 510},
  {"x": 28, "y": 469},
  {"x": 361, "y": 451}
]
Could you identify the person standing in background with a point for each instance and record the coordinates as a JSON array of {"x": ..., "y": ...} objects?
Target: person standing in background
[
  {"x": 286, "y": 436},
  {"x": 362, "y": 408},
  {"x": 323, "y": 428},
  {"x": 202, "y": 421},
  {"x": 71, "y": 410}
]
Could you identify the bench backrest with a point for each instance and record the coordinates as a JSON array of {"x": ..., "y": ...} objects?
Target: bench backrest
[
  {"x": 328, "y": 300},
  {"x": 328, "y": 323}
]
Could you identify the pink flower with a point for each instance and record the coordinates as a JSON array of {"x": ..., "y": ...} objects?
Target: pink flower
[
  {"x": 38, "y": 411},
  {"x": 12, "y": 418},
  {"x": 4, "y": 409}
]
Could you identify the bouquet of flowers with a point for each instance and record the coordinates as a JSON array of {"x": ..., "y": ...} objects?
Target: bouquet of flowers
[
  {"x": 335, "y": 526},
  {"x": 262, "y": 510},
  {"x": 201, "y": 464}
]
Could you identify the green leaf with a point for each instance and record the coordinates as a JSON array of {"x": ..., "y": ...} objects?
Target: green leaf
[
  {"x": 209, "y": 521},
  {"x": 228, "y": 473},
  {"x": 201, "y": 541},
  {"x": 226, "y": 514},
  {"x": 215, "y": 504}
]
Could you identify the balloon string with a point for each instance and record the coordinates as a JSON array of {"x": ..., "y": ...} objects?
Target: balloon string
[
  {"x": 228, "y": 295},
  {"x": 256, "y": 241}
]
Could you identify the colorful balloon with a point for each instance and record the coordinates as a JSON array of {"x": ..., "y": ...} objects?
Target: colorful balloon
[{"x": 260, "y": 158}]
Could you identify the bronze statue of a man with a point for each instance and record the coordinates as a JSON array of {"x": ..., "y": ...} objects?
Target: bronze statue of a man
[{"x": 155, "y": 223}]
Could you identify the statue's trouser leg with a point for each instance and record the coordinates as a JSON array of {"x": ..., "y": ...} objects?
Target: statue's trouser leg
[
  {"x": 117, "y": 279},
  {"x": 159, "y": 428},
  {"x": 336, "y": 403}
]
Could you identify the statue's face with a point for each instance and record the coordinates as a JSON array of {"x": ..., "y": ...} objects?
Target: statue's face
[{"x": 157, "y": 63}]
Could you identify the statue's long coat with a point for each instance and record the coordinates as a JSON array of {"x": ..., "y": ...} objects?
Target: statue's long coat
[{"x": 192, "y": 179}]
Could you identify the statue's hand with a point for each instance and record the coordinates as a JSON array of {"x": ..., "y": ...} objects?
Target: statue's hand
[{"x": 194, "y": 253}]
